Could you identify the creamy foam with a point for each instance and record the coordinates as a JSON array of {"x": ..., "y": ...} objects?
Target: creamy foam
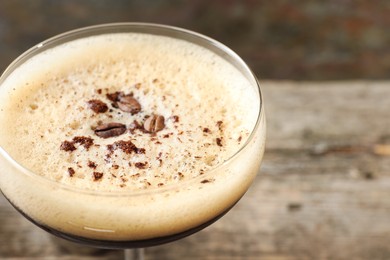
[{"x": 209, "y": 108}]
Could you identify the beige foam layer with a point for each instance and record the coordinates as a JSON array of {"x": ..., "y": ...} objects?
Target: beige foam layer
[{"x": 167, "y": 77}]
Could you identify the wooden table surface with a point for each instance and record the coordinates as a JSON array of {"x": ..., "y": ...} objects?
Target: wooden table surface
[{"x": 323, "y": 191}]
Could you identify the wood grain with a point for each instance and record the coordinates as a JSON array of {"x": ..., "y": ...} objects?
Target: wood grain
[{"x": 323, "y": 191}]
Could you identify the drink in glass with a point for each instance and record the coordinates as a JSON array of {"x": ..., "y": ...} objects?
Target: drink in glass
[{"x": 128, "y": 135}]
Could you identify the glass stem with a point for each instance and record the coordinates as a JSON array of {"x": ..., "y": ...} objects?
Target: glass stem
[{"x": 134, "y": 254}]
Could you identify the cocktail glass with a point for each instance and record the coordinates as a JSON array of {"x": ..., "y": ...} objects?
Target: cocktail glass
[{"x": 127, "y": 220}]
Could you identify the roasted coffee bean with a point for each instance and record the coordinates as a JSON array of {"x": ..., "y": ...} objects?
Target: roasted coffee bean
[
  {"x": 154, "y": 123},
  {"x": 129, "y": 104},
  {"x": 110, "y": 130}
]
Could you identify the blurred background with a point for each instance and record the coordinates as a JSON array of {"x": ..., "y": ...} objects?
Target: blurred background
[{"x": 280, "y": 39}]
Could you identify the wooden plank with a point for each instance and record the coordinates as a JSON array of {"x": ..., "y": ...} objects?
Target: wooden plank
[{"x": 323, "y": 191}]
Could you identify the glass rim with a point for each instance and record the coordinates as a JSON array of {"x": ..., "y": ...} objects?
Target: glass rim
[{"x": 123, "y": 27}]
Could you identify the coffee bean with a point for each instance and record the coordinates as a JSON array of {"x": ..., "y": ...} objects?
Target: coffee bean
[
  {"x": 154, "y": 123},
  {"x": 128, "y": 104},
  {"x": 110, "y": 130}
]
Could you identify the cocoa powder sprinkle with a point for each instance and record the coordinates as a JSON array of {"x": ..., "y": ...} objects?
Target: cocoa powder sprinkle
[
  {"x": 219, "y": 141},
  {"x": 85, "y": 141},
  {"x": 136, "y": 126},
  {"x": 97, "y": 106},
  {"x": 141, "y": 165},
  {"x": 67, "y": 146},
  {"x": 71, "y": 171},
  {"x": 92, "y": 164},
  {"x": 175, "y": 119},
  {"x": 97, "y": 176},
  {"x": 219, "y": 125},
  {"x": 127, "y": 147}
]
